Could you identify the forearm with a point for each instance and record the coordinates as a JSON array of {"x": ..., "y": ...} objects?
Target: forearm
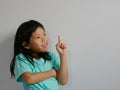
[
  {"x": 62, "y": 73},
  {"x": 31, "y": 78}
]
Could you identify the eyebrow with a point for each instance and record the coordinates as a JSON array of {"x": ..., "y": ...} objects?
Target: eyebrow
[{"x": 38, "y": 34}]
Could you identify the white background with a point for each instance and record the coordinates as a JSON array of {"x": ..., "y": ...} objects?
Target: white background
[{"x": 90, "y": 28}]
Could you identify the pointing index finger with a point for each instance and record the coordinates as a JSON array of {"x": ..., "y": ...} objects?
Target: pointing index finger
[{"x": 59, "y": 40}]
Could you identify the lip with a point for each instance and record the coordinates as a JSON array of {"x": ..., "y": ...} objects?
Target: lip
[{"x": 44, "y": 46}]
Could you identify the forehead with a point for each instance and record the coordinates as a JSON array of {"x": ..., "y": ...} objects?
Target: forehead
[{"x": 39, "y": 30}]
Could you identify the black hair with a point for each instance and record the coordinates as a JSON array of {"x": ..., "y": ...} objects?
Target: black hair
[{"x": 23, "y": 34}]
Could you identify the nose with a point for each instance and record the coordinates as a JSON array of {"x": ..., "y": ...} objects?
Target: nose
[{"x": 43, "y": 39}]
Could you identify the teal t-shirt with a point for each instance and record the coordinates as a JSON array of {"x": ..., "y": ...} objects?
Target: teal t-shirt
[{"x": 40, "y": 65}]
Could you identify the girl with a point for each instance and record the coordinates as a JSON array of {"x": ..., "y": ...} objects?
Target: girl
[{"x": 32, "y": 64}]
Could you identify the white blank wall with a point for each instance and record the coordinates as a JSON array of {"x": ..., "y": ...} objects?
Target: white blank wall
[{"x": 90, "y": 28}]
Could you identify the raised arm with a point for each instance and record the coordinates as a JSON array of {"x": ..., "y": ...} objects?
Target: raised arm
[{"x": 62, "y": 73}]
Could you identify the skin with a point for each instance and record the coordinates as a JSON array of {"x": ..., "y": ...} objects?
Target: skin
[{"x": 39, "y": 43}]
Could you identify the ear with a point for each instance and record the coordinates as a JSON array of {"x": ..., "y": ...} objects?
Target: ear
[{"x": 25, "y": 45}]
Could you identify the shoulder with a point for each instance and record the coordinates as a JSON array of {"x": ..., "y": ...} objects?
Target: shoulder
[
  {"x": 53, "y": 54},
  {"x": 21, "y": 57}
]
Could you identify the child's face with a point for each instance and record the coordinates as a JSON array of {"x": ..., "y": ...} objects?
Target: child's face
[{"x": 38, "y": 41}]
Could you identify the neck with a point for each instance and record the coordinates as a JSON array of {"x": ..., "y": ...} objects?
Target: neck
[{"x": 35, "y": 55}]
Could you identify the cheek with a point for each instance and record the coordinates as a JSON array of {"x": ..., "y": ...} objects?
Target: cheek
[
  {"x": 46, "y": 40},
  {"x": 34, "y": 45}
]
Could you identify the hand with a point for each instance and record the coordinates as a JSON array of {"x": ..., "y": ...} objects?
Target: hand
[
  {"x": 54, "y": 72},
  {"x": 61, "y": 47}
]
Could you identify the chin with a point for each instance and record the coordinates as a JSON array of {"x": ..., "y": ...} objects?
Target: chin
[{"x": 44, "y": 50}]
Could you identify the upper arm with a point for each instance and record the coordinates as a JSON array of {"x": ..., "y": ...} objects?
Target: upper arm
[
  {"x": 56, "y": 63},
  {"x": 21, "y": 67}
]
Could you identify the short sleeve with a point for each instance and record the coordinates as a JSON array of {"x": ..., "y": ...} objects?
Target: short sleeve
[
  {"x": 56, "y": 60},
  {"x": 21, "y": 66}
]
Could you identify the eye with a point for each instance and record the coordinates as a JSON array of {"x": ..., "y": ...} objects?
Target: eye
[
  {"x": 44, "y": 34},
  {"x": 37, "y": 37}
]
